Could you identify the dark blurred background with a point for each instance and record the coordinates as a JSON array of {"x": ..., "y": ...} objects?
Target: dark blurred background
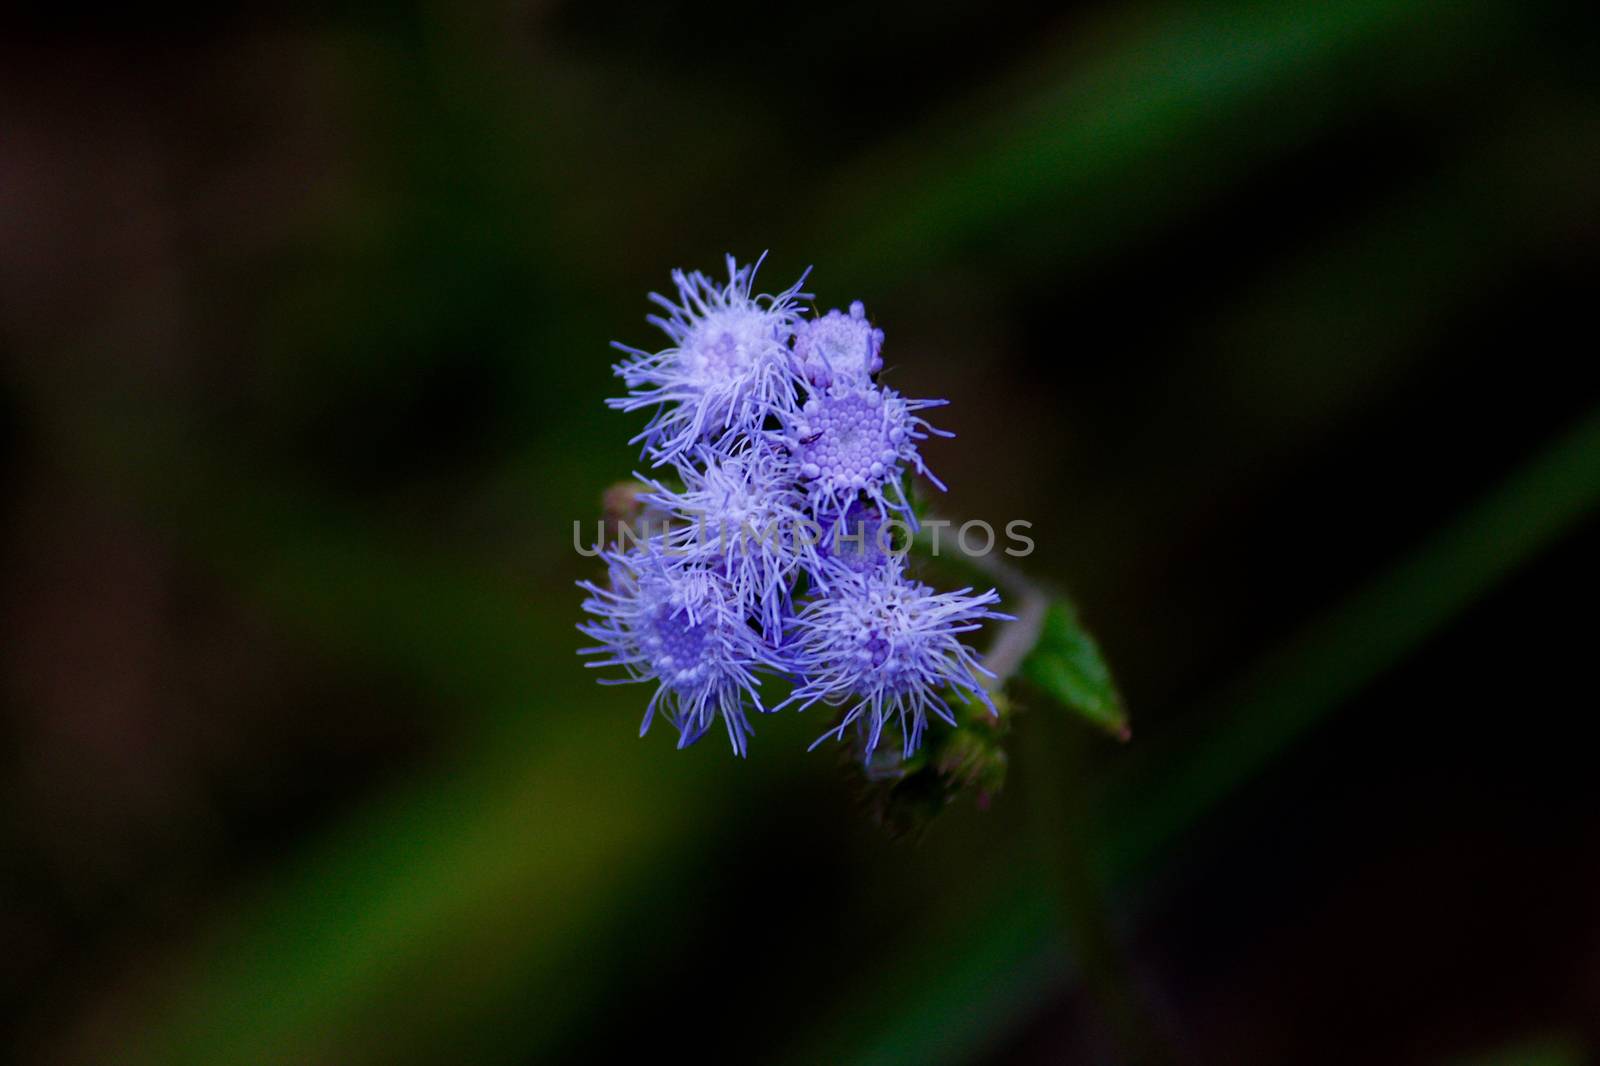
[{"x": 1277, "y": 320}]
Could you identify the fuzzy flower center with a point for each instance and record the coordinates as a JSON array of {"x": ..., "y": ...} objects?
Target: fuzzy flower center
[
  {"x": 858, "y": 538},
  {"x": 679, "y": 651},
  {"x": 887, "y": 652},
  {"x": 847, "y": 440},
  {"x": 726, "y": 344},
  {"x": 874, "y": 649},
  {"x": 839, "y": 347}
]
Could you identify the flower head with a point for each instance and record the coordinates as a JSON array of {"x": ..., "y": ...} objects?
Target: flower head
[
  {"x": 859, "y": 539},
  {"x": 728, "y": 369},
  {"x": 839, "y": 347},
  {"x": 681, "y": 627},
  {"x": 888, "y": 646},
  {"x": 743, "y": 518},
  {"x": 850, "y": 439},
  {"x": 790, "y": 462}
]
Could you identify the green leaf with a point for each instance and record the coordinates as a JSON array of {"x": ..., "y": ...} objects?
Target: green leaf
[{"x": 1066, "y": 662}]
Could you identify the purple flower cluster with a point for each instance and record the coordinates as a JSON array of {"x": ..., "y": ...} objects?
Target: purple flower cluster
[{"x": 775, "y": 554}]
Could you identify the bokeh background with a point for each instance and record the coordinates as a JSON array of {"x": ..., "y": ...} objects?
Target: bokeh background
[{"x": 1276, "y": 319}]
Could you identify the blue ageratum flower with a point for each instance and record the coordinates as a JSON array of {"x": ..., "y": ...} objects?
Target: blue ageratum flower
[
  {"x": 888, "y": 647},
  {"x": 790, "y": 461},
  {"x": 681, "y": 627},
  {"x": 852, "y": 439},
  {"x": 728, "y": 369},
  {"x": 839, "y": 347},
  {"x": 742, "y": 517},
  {"x": 861, "y": 539}
]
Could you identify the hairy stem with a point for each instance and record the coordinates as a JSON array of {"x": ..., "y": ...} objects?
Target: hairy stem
[{"x": 1028, "y": 606}]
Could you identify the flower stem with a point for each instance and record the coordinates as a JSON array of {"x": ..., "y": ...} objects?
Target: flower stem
[{"x": 1028, "y": 602}]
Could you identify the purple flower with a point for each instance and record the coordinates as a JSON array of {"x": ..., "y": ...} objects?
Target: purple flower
[
  {"x": 850, "y": 439},
  {"x": 790, "y": 465},
  {"x": 839, "y": 347},
  {"x": 861, "y": 539},
  {"x": 742, "y": 517},
  {"x": 888, "y": 646},
  {"x": 728, "y": 369},
  {"x": 681, "y": 627}
]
